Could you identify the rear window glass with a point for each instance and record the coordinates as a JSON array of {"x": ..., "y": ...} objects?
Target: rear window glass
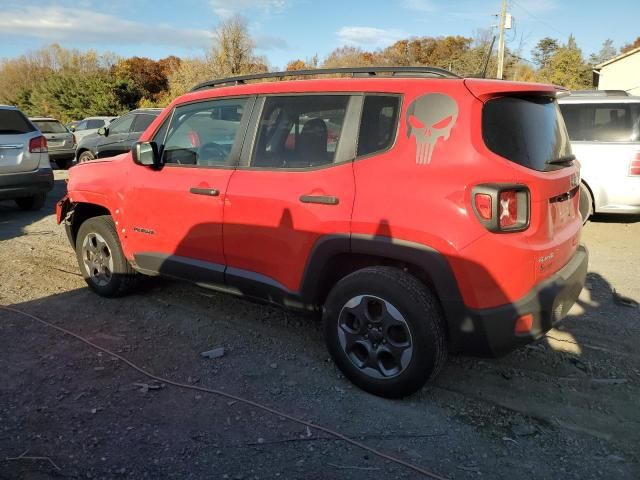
[
  {"x": 529, "y": 131},
  {"x": 601, "y": 122},
  {"x": 13, "y": 122},
  {"x": 49, "y": 126},
  {"x": 379, "y": 123}
]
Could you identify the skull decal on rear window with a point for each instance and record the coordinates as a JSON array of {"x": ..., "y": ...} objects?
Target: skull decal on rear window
[{"x": 430, "y": 118}]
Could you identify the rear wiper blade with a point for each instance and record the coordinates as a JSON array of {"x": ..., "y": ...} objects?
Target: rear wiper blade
[{"x": 562, "y": 160}]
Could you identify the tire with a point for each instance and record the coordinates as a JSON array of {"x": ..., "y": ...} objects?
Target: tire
[
  {"x": 405, "y": 318},
  {"x": 101, "y": 260},
  {"x": 86, "y": 156},
  {"x": 586, "y": 203},
  {"x": 63, "y": 164},
  {"x": 35, "y": 202}
]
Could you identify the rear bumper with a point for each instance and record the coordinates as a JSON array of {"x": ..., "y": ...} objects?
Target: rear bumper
[
  {"x": 17, "y": 185},
  {"x": 491, "y": 331},
  {"x": 62, "y": 154}
]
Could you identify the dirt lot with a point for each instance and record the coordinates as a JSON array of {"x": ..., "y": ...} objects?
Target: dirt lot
[{"x": 566, "y": 407}]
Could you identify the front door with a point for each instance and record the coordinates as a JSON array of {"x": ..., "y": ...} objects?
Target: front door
[
  {"x": 297, "y": 186},
  {"x": 174, "y": 215}
]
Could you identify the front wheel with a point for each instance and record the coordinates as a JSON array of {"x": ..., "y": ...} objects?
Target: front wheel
[
  {"x": 101, "y": 260},
  {"x": 384, "y": 330},
  {"x": 86, "y": 156}
]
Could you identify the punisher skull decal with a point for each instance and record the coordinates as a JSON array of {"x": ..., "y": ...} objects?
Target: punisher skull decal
[{"x": 429, "y": 119}]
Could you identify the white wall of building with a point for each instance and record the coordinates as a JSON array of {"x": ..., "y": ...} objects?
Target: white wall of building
[{"x": 623, "y": 74}]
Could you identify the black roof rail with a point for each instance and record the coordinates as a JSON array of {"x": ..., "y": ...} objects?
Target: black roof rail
[{"x": 355, "y": 71}]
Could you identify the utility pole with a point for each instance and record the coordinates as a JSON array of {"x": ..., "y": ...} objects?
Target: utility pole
[{"x": 503, "y": 19}]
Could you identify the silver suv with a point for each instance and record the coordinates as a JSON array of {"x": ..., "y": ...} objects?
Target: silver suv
[
  {"x": 25, "y": 171},
  {"x": 61, "y": 142},
  {"x": 605, "y": 137}
]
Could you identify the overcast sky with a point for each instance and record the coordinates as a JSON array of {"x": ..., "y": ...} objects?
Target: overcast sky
[{"x": 290, "y": 29}]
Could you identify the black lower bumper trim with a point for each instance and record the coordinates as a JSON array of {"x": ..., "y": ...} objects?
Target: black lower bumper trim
[
  {"x": 491, "y": 331},
  {"x": 17, "y": 185}
]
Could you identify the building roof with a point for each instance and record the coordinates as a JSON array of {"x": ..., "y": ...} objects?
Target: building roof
[{"x": 619, "y": 57}]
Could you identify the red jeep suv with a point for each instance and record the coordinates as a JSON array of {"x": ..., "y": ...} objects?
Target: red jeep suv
[{"x": 420, "y": 212}]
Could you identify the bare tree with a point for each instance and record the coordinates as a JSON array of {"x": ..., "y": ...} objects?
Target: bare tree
[{"x": 233, "y": 50}]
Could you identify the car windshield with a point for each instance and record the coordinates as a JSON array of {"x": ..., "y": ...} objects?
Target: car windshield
[
  {"x": 50, "y": 126},
  {"x": 527, "y": 130},
  {"x": 12, "y": 122},
  {"x": 602, "y": 122}
]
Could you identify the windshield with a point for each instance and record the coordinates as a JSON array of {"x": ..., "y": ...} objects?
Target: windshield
[
  {"x": 50, "y": 126},
  {"x": 602, "y": 122},
  {"x": 527, "y": 130}
]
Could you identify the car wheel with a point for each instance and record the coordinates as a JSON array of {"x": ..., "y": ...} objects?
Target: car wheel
[
  {"x": 102, "y": 262},
  {"x": 86, "y": 156},
  {"x": 586, "y": 203},
  {"x": 63, "y": 164},
  {"x": 384, "y": 330},
  {"x": 35, "y": 202}
]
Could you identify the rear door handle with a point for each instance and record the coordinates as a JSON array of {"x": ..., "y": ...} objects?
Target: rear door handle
[
  {"x": 210, "y": 192},
  {"x": 321, "y": 199}
]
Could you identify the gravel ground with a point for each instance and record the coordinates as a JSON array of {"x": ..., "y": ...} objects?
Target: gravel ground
[{"x": 566, "y": 407}]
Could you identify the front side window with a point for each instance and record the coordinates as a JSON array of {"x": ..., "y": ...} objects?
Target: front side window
[
  {"x": 122, "y": 124},
  {"x": 379, "y": 123},
  {"x": 299, "y": 131},
  {"x": 203, "y": 134},
  {"x": 600, "y": 122},
  {"x": 142, "y": 121}
]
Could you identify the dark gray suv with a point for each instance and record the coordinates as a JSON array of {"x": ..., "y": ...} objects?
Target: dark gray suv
[
  {"x": 118, "y": 137},
  {"x": 25, "y": 171}
]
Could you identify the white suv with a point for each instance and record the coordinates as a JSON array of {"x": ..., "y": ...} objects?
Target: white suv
[
  {"x": 25, "y": 171},
  {"x": 605, "y": 137}
]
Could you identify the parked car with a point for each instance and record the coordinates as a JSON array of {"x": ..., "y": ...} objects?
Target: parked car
[
  {"x": 25, "y": 171},
  {"x": 117, "y": 137},
  {"x": 420, "y": 213},
  {"x": 61, "y": 142},
  {"x": 605, "y": 136},
  {"x": 90, "y": 125}
]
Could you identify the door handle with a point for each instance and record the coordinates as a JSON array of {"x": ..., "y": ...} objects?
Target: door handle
[
  {"x": 210, "y": 192},
  {"x": 321, "y": 199}
]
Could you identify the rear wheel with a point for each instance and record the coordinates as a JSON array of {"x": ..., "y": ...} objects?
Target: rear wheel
[
  {"x": 101, "y": 260},
  {"x": 86, "y": 156},
  {"x": 35, "y": 202},
  {"x": 384, "y": 330},
  {"x": 586, "y": 203}
]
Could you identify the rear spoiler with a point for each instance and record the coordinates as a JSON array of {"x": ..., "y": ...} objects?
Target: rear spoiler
[{"x": 486, "y": 89}]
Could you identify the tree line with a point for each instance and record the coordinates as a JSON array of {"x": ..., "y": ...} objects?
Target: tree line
[{"x": 69, "y": 84}]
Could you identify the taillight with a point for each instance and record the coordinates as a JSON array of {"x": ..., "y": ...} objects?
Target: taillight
[
  {"x": 38, "y": 145},
  {"x": 634, "y": 167},
  {"x": 502, "y": 208}
]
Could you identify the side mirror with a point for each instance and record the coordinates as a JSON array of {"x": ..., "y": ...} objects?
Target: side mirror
[
  {"x": 104, "y": 131},
  {"x": 72, "y": 128},
  {"x": 146, "y": 154}
]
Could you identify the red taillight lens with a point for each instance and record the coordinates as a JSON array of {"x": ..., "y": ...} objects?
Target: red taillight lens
[
  {"x": 634, "y": 167},
  {"x": 483, "y": 205},
  {"x": 38, "y": 145},
  {"x": 508, "y": 209}
]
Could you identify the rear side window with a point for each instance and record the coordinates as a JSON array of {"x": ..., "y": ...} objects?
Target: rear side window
[
  {"x": 528, "y": 130},
  {"x": 50, "y": 126},
  {"x": 13, "y": 122},
  {"x": 600, "y": 122},
  {"x": 121, "y": 124},
  {"x": 300, "y": 131},
  {"x": 379, "y": 123}
]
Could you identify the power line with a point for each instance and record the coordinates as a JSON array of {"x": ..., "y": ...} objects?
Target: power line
[{"x": 548, "y": 25}]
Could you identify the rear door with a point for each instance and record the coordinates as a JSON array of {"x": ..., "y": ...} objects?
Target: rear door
[
  {"x": 15, "y": 133},
  {"x": 295, "y": 185}
]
